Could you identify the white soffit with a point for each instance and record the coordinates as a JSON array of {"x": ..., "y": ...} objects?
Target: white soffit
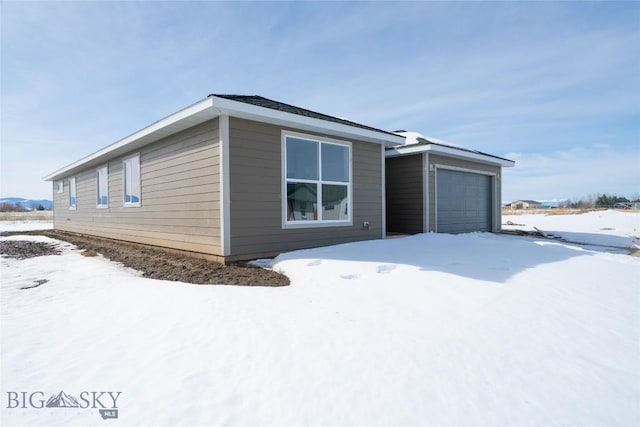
[
  {"x": 212, "y": 107},
  {"x": 253, "y": 112},
  {"x": 194, "y": 114},
  {"x": 449, "y": 152}
]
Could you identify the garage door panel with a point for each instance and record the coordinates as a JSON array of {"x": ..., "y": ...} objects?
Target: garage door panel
[{"x": 463, "y": 202}]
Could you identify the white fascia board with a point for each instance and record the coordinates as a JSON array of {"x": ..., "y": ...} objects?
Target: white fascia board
[
  {"x": 190, "y": 116},
  {"x": 263, "y": 114},
  {"x": 450, "y": 152},
  {"x": 212, "y": 107}
]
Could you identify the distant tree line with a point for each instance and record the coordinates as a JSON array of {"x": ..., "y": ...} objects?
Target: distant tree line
[
  {"x": 605, "y": 201},
  {"x": 598, "y": 201},
  {"x": 17, "y": 207}
]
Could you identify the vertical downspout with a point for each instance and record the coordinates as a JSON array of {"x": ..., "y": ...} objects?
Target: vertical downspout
[
  {"x": 497, "y": 202},
  {"x": 384, "y": 192}
]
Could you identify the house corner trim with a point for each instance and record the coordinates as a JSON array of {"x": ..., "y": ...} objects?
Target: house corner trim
[
  {"x": 425, "y": 192},
  {"x": 225, "y": 192}
]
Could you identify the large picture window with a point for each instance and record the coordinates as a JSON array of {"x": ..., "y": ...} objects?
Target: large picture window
[
  {"x": 131, "y": 170},
  {"x": 317, "y": 182},
  {"x": 102, "y": 187}
]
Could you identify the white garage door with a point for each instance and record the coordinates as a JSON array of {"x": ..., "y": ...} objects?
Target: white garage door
[{"x": 463, "y": 202}]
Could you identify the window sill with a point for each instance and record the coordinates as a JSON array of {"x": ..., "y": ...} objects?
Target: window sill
[{"x": 316, "y": 224}]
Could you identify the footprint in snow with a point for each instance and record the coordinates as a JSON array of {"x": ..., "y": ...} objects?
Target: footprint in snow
[
  {"x": 349, "y": 276},
  {"x": 386, "y": 268},
  {"x": 314, "y": 263}
]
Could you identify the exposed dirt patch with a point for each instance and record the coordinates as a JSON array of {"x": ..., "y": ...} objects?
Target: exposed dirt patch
[
  {"x": 89, "y": 253},
  {"x": 20, "y": 249},
  {"x": 156, "y": 263},
  {"x": 540, "y": 233},
  {"x": 36, "y": 283}
]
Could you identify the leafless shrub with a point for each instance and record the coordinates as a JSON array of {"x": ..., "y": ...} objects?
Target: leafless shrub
[{"x": 11, "y": 207}]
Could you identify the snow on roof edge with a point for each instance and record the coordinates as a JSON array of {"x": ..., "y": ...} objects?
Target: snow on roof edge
[{"x": 413, "y": 140}]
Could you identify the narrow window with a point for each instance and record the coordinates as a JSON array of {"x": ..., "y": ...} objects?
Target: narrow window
[
  {"x": 102, "y": 187},
  {"x": 131, "y": 169},
  {"x": 72, "y": 192},
  {"x": 60, "y": 187},
  {"x": 317, "y": 182}
]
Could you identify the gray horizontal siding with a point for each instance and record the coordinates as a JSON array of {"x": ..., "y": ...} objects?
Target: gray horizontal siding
[
  {"x": 404, "y": 195},
  {"x": 180, "y": 197},
  {"x": 255, "y": 194}
]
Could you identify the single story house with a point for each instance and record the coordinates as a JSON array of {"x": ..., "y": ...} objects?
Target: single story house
[
  {"x": 231, "y": 177},
  {"x": 524, "y": 204},
  {"x": 433, "y": 185},
  {"x": 236, "y": 177}
]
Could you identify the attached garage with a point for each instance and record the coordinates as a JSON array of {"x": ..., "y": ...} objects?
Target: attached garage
[
  {"x": 433, "y": 186},
  {"x": 463, "y": 201}
]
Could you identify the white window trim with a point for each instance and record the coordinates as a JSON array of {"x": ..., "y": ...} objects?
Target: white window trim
[
  {"x": 98, "y": 204},
  {"x": 75, "y": 193},
  {"x": 60, "y": 186},
  {"x": 286, "y": 224},
  {"x": 125, "y": 203}
]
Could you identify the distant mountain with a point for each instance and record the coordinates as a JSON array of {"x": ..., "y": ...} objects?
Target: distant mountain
[
  {"x": 62, "y": 400},
  {"x": 29, "y": 204}
]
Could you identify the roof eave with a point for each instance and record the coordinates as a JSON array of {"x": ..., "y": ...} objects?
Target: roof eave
[
  {"x": 212, "y": 107},
  {"x": 253, "y": 112},
  {"x": 190, "y": 116},
  {"x": 450, "y": 152}
]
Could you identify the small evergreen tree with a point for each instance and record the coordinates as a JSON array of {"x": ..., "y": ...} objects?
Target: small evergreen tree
[{"x": 606, "y": 201}]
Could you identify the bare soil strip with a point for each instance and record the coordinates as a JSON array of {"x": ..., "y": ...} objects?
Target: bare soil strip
[
  {"x": 22, "y": 249},
  {"x": 153, "y": 262}
]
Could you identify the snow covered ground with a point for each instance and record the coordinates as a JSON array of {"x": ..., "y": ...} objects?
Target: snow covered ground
[
  {"x": 25, "y": 225},
  {"x": 607, "y": 228},
  {"x": 474, "y": 329}
]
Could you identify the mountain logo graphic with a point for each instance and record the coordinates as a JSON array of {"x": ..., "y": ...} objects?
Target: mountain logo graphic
[{"x": 62, "y": 400}]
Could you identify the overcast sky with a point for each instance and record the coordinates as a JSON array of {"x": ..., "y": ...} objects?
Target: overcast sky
[{"x": 554, "y": 86}]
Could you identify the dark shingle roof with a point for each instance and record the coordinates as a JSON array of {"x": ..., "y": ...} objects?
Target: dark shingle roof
[
  {"x": 425, "y": 141},
  {"x": 280, "y": 106}
]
